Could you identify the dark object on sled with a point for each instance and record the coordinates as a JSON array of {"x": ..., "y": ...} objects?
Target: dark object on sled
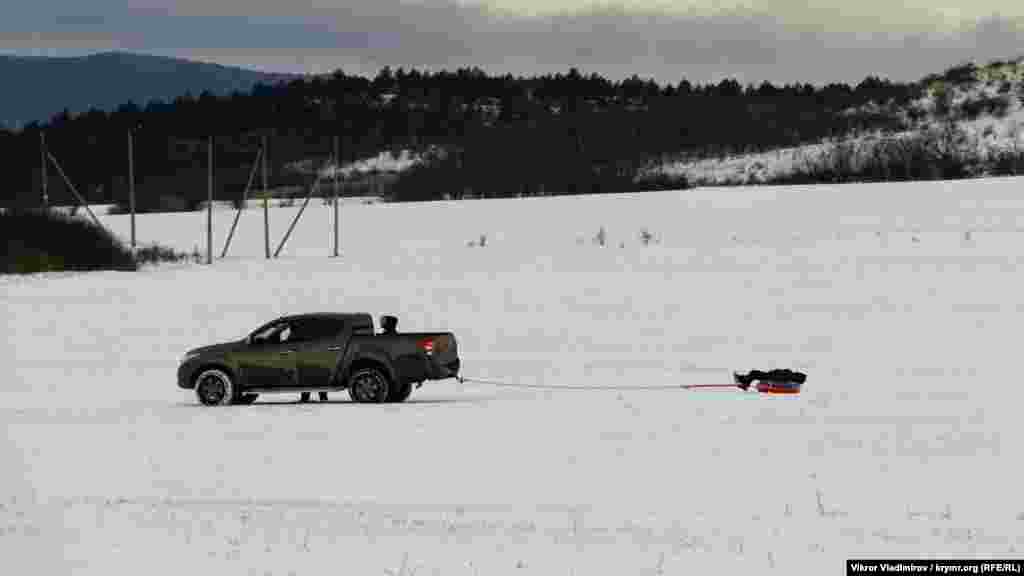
[{"x": 778, "y": 381}]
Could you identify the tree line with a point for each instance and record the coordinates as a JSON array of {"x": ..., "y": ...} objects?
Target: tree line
[{"x": 488, "y": 135}]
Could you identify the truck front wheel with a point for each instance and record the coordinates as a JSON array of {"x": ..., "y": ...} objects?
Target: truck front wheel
[
  {"x": 214, "y": 387},
  {"x": 369, "y": 386}
]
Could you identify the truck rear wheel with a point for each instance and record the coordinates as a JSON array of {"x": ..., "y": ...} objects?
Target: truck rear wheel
[
  {"x": 400, "y": 393},
  {"x": 369, "y": 386}
]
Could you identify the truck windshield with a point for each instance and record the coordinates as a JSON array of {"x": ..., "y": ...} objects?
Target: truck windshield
[{"x": 269, "y": 333}]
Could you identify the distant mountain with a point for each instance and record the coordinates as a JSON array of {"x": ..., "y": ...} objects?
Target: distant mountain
[{"x": 35, "y": 88}]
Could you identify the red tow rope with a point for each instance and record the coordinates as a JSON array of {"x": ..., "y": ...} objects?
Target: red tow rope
[{"x": 765, "y": 387}]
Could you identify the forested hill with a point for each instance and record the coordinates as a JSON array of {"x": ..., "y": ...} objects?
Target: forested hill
[{"x": 486, "y": 135}]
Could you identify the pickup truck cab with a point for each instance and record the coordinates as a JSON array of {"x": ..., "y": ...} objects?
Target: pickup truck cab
[{"x": 320, "y": 353}]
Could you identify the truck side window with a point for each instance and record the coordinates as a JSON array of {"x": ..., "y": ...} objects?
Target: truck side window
[{"x": 311, "y": 329}]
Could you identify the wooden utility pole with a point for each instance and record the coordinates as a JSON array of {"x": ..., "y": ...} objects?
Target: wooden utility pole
[
  {"x": 337, "y": 166},
  {"x": 266, "y": 200},
  {"x": 209, "y": 203},
  {"x": 131, "y": 184},
  {"x": 42, "y": 154},
  {"x": 1015, "y": 132}
]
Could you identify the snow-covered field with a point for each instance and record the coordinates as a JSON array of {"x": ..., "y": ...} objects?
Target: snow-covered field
[{"x": 903, "y": 303}]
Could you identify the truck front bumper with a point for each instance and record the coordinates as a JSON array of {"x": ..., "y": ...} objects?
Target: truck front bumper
[{"x": 185, "y": 376}]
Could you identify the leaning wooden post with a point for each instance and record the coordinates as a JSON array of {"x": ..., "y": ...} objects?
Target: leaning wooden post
[
  {"x": 209, "y": 202},
  {"x": 312, "y": 190},
  {"x": 245, "y": 200},
  {"x": 42, "y": 154},
  {"x": 81, "y": 200}
]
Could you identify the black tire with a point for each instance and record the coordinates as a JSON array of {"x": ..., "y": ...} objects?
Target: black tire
[
  {"x": 369, "y": 386},
  {"x": 400, "y": 393},
  {"x": 247, "y": 398},
  {"x": 214, "y": 387},
  {"x": 304, "y": 397}
]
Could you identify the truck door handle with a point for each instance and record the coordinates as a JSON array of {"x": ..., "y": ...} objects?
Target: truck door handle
[
  {"x": 335, "y": 349},
  {"x": 287, "y": 352}
]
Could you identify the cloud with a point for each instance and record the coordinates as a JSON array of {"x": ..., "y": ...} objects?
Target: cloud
[{"x": 782, "y": 41}]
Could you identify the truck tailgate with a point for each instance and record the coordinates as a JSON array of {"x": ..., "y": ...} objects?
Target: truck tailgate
[{"x": 442, "y": 350}]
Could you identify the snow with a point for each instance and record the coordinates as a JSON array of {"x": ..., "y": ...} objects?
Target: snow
[
  {"x": 750, "y": 168},
  {"x": 386, "y": 161},
  {"x": 323, "y": 196},
  {"x": 72, "y": 209},
  {"x": 383, "y": 162},
  {"x": 985, "y": 138},
  {"x": 900, "y": 301}
]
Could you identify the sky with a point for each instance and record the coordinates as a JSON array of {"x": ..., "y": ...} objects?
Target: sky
[{"x": 666, "y": 40}]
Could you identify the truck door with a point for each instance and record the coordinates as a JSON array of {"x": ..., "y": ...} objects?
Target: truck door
[
  {"x": 320, "y": 343},
  {"x": 268, "y": 361}
]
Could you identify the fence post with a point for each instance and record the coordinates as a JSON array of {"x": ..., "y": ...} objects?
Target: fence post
[
  {"x": 266, "y": 200},
  {"x": 337, "y": 166},
  {"x": 131, "y": 184},
  {"x": 1015, "y": 131}
]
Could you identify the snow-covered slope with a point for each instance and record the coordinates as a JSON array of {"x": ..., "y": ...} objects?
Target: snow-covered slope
[
  {"x": 386, "y": 161},
  {"x": 383, "y": 162},
  {"x": 901, "y": 301},
  {"x": 985, "y": 103}
]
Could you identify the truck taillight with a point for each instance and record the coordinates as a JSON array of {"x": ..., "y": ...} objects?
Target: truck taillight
[
  {"x": 441, "y": 343},
  {"x": 426, "y": 345}
]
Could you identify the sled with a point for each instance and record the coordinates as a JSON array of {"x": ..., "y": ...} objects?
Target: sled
[{"x": 778, "y": 387}]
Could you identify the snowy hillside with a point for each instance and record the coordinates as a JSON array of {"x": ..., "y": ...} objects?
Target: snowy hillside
[
  {"x": 902, "y": 302},
  {"x": 985, "y": 103},
  {"x": 386, "y": 161}
]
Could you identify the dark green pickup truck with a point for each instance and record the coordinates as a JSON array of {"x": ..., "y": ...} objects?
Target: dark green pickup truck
[{"x": 320, "y": 353}]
